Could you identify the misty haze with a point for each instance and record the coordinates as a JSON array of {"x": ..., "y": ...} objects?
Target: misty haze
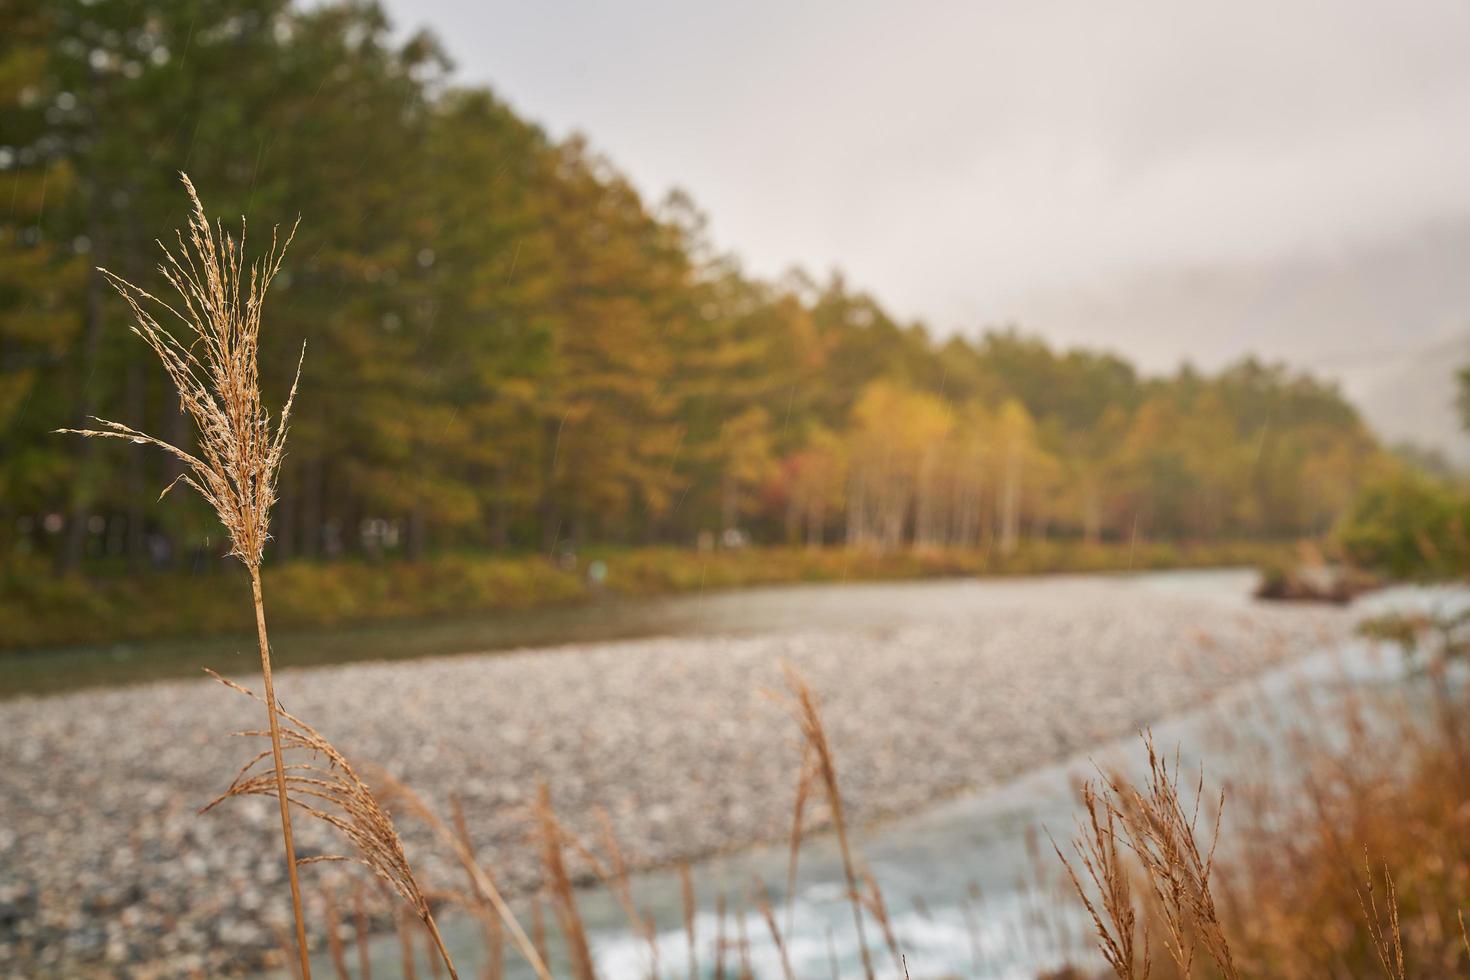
[{"x": 667, "y": 490}]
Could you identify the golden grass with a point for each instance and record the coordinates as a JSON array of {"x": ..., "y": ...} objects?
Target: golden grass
[
  {"x": 1286, "y": 898},
  {"x": 763, "y": 903},
  {"x": 1158, "y": 829},
  {"x": 687, "y": 903},
  {"x": 807, "y": 714},
  {"x": 216, "y": 374},
  {"x": 1099, "y": 852},
  {"x": 1312, "y": 882},
  {"x": 336, "y": 794},
  {"x": 485, "y": 900},
  {"x": 325, "y": 786},
  {"x": 553, "y": 839},
  {"x": 214, "y": 369}
]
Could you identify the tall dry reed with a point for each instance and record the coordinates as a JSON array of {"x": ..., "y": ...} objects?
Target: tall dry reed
[
  {"x": 214, "y": 369},
  {"x": 487, "y": 901},
  {"x": 1107, "y": 893},
  {"x": 1350, "y": 860},
  {"x": 808, "y": 716},
  {"x": 1155, "y": 826},
  {"x": 331, "y": 791},
  {"x": 212, "y": 362}
]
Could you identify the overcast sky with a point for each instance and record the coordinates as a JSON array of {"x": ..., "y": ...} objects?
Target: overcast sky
[{"x": 1165, "y": 179}]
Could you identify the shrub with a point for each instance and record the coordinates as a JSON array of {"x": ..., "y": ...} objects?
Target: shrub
[{"x": 1408, "y": 525}]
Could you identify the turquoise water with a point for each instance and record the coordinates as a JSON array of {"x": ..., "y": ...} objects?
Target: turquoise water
[{"x": 970, "y": 884}]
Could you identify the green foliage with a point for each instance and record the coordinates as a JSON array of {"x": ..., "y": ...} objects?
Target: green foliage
[
  {"x": 509, "y": 348},
  {"x": 41, "y": 610},
  {"x": 1409, "y": 525}
]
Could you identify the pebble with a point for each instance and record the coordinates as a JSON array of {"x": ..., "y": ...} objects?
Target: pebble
[{"x": 677, "y": 740}]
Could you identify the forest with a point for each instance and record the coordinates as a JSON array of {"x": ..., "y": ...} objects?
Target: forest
[{"x": 507, "y": 347}]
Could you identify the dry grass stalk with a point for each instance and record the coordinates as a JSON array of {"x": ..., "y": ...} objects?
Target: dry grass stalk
[
  {"x": 808, "y": 717},
  {"x": 287, "y": 952},
  {"x": 686, "y": 895},
  {"x": 1363, "y": 770},
  {"x": 1388, "y": 943},
  {"x": 1156, "y": 825},
  {"x": 1100, "y": 853},
  {"x": 334, "y": 936},
  {"x": 763, "y": 902},
  {"x": 409, "y": 966},
  {"x": 972, "y": 928},
  {"x": 720, "y": 937},
  {"x": 1162, "y": 833},
  {"x": 486, "y": 892},
  {"x": 458, "y": 839},
  {"x": 334, "y": 793},
  {"x": 494, "y": 945},
  {"x": 804, "y": 782},
  {"x": 742, "y": 944},
  {"x": 215, "y": 372},
  {"x": 614, "y": 874},
  {"x": 618, "y": 881},
  {"x": 434, "y": 967},
  {"x": 560, "y": 884},
  {"x": 873, "y": 900},
  {"x": 360, "y": 927},
  {"x": 538, "y": 927}
]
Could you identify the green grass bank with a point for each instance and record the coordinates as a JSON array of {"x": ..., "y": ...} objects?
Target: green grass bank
[{"x": 39, "y": 610}]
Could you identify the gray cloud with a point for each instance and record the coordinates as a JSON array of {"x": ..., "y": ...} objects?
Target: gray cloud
[{"x": 974, "y": 163}]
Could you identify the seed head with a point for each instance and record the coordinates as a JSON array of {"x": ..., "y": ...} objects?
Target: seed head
[{"x": 214, "y": 368}]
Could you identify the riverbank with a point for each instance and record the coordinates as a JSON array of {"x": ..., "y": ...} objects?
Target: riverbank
[
  {"x": 672, "y": 737},
  {"x": 42, "y": 611}
]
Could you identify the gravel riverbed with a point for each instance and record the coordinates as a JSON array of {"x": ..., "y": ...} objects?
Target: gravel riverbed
[{"x": 106, "y": 869}]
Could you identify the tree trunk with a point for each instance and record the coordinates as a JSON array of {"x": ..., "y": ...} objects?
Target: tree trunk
[
  {"x": 74, "y": 543},
  {"x": 929, "y": 511},
  {"x": 500, "y": 511},
  {"x": 283, "y": 523},
  {"x": 1010, "y": 517},
  {"x": 1091, "y": 513},
  {"x": 550, "y": 522},
  {"x": 311, "y": 509},
  {"x": 855, "y": 504},
  {"x": 729, "y": 503},
  {"x": 417, "y": 533},
  {"x": 133, "y": 542}
]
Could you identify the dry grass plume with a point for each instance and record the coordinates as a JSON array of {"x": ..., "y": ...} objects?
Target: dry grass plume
[{"x": 214, "y": 368}]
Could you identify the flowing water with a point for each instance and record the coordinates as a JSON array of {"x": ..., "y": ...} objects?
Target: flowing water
[{"x": 970, "y": 884}]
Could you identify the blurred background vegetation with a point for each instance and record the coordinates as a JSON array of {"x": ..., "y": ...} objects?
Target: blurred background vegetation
[{"x": 509, "y": 351}]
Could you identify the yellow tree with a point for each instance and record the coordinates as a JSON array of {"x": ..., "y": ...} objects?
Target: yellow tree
[
  {"x": 974, "y": 451},
  {"x": 1015, "y": 434},
  {"x": 893, "y": 432},
  {"x": 814, "y": 485},
  {"x": 745, "y": 447}
]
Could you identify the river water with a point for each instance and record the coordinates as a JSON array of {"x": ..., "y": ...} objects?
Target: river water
[
  {"x": 777, "y": 609},
  {"x": 971, "y": 886}
]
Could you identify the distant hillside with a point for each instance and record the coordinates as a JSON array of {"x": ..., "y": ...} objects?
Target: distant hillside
[
  {"x": 1388, "y": 318},
  {"x": 1360, "y": 311}
]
